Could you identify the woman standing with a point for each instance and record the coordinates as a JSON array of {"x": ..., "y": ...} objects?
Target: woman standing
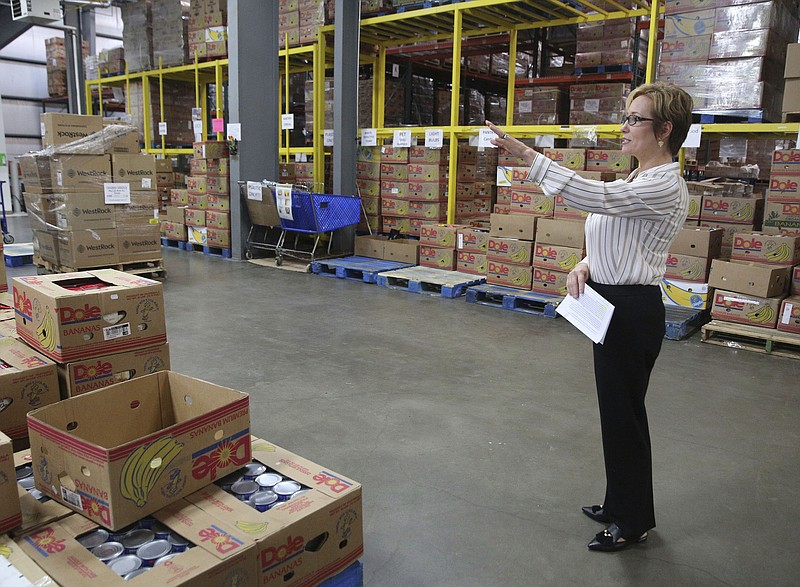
[{"x": 631, "y": 224}]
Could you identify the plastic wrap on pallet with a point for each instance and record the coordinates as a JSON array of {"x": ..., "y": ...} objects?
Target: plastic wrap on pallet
[
  {"x": 755, "y": 43},
  {"x": 775, "y": 14}
]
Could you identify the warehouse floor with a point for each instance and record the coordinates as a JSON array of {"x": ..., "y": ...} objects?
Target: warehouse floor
[{"x": 475, "y": 430}]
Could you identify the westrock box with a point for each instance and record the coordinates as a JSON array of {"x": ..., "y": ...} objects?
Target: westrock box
[
  {"x": 60, "y": 129},
  {"x": 72, "y": 316},
  {"x": 765, "y": 248},
  {"x": 745, "y": 309},
  {"x": 90, "y": 374},
  {"x": 160, "y": 437},
  {"x": 10, "y": 513},
  {"x": 789, "y": 315},
  {"x": 302, "y": 541},
  {"x": 137, "y": 170},
  {"x": 28, "y": 381}
]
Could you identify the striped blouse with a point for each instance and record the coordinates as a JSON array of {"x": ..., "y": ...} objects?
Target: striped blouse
[{"x": 631, "y": 223}]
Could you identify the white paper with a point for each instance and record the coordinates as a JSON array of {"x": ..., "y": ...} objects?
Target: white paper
[
  {"x": 485, "y": 136},
  {"x": 369, "y": 137},
  {"x": 235, "y": 131},
  {"x": 402, "y": 138},
  {"x": 434, "y": 138},
  {"x": 283, "y": 200},
  {"x": 117, "y": 193},
  {"x": 590, "y": 313},
  {"x": 10, "y": 576},
  {"x": 591, "y": 105},
  {"x": 301, "y": 158},
  {"x": 327, "y": 138},
  {"x": 162, "y": 129},
  {"x": 254, "y": 191},
  {"x": 693, "y": 138},
  {"x": 395, "y": 70},
  {"x": 786, "y": 317},
  {"x": 548, "y": 141},
  {"x": 147, "y": 183},
  {"x": 287, "y": 121}
]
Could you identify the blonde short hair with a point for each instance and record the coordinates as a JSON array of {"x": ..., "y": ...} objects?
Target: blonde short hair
[{"x": 672, "y": 104}]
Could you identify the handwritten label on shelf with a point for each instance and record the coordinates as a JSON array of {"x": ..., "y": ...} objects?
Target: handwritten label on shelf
[
  {"x": 162, "y": 129},
  {"x": 327, "y": 139},
  {"x": 197, "y": 127},
  {"x": 235, "y": 131},
  {"x": 591, "y": 105},
  {"x": 254, "y": 191},
  {"x": 369, "y": 137},
  {"x": 117, "y": 193},
  {"x": 485, "y": 136},
  {"x": 402, "y": 138},
  {"x": 693, "y": 138},
  {"x": 287, "y": 121},
  {"x": 434, "y": 138}
]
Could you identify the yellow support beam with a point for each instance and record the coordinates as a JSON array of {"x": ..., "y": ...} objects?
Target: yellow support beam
[{"x": 455, "y": 102}]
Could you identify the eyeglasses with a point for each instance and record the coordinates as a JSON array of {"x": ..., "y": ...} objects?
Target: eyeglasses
[{"x": 634, "y": 119}]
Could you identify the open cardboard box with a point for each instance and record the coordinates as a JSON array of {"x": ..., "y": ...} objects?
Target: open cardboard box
[
  {"x": 125, "y": 451},
  {"x": 35, "y": 513},
  {"x": 10, "y": 513}
]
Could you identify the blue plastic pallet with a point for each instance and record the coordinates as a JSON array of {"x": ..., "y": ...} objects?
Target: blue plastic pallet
[
  {"x": 425, "y": 280},
  {"x": 626, "y": 68},
  {"x": 172, "y": 243},
  {"x": 364, "y": 269},
  {"x": 208, "y": 250},
  {"x": 517, "y": 300},
  {"x": 751, "y": 116},
  {"x": 19, "y": 254},
  {"x": 352, "y": 576},
  {"x": 682, "y": 322}
]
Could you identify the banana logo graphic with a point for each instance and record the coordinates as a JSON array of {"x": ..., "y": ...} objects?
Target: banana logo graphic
[
  {"x": 694, "y": 208},
  {"x": 144, "y": 466},
  {"x": 5, "y": 550},
  {"x": 544, "y": 207},
  {"x": 519, "y": 256},
  {"x": 569, "y": 263},
  {"x": 46, "y": 331},
  {"x": 263, "y": 447},
  {"x": 681, "y": 297},
  {"x": 779, "y": 254},
  {"x": 251, "y": 527},
  {"x": 692, "y": 273},
  {"x": 743, "y": 213},
  {"x": 763, "y": 315}
]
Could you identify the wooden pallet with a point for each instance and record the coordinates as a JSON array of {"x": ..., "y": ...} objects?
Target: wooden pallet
[
  {"x": 356, "y": 268},
  {"x": 153, "y": 269},
  {"x": 681, "y": 323},
  {"x": 517, "y": 300},
  {"x": 752, "y": 338},
  {"x": 425, "y": 280}
]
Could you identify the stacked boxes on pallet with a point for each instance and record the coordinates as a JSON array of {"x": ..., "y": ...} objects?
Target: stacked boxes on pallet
[
  {"x": 539, "y": 105},
  {"x": 437, "y": 245},
  {"x": 791, "y": 74},
  {"x": 609, "y": 43},
  {"x": 560, "y": 245},
  {"x": 733, "y": 207},
  {"x": 170, "y": 33},
  {"x": 782, "y": 209},
  {"x": 427, "y": 186},
  {"x": 208, "y": 30},
  {"x": 207, "y": 215},
  {"x": 394, "y": 176},
  {"x": 368, "y": 182},
  {"x": 727, "y": 54},
  {"x": 689, "y": 261},
  {"x": 601, "y": 103},
  {"x": 56, "y": 57},
  {"x": 137, "y": 36}
]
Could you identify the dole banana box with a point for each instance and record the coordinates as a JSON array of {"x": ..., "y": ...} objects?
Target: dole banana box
[
  {"x": 764, "y": 248},
  {"x": 218, "y": 237},
  {"x": 608, "y": 160},
  {"x": 466, "y": 172},
  {"x": 368, "y": 187},
  {"x": 520, "y": 226},
  {"x": 755, "y": 279},
  {"x": 695, "y": 48},
  {"x": 509, "y": 250},
  {"x": 689, "y": 24},
  {"x": 549, "y": 281},
  {"x": 396, "y": 189},
  {"x": 395, "y": 171},
  {"x": 745, "y": 309},
  {"x": 210, "y": 150},
  {"x": 472, "y": 239},
  {"x": 137, "y": 170},
  {"x": 302, "y": 541},
  {"x": 784, "y": 187},
  {"x": 215, "y": 219},
  {"x": 394, "y": 207},
  {"x": 22, "y": 563},
  {"x": 786, "y": 161},
  {"x": 728, "y": 230},
  {"x": 695, "y": 204},
  {"x": 197, "y": 185},
  {"x": 733, "y": 210},
  {"x": 686, "y": 294},
  {"x": 72, "y": 316},
  {"x": 425, "y": 173},
  {"x": 789, "y": 315},
  {"x": 437, "y": 257},
  {"x": 221, "y": 554},
  {"x": 35, "y": 513},
  {"x": 563, "y": 211},
  {"x": 783, "y": 215},
  {"x": 426, "y": 210},
  {"x": 372, "y": 206},
  {"x": 531, "y": 202},
  {"x": 556, "y": 257},
  {"x": 571, "y": 158},
  {"x": 80, "y": 173},
  {"x": 198, "y": 201},
  {"x": 194, "y": 217},
  {"x": 10, "y": 512},
  {"x": 162, "y": 436},
  {"x": 471, "y": 262},
  {"x": 516, "y": 177},
  {"x": 174, "y": 230},
  {"x": 198, "y": 166},
  {"x": 219, "y": 167},
  {"x": 516, "y": 276},
  {"x": 391, "y": 154},
  {"x": 370, "y": 170},
  {"x": 219, "y": 185},
  {"x": 698, "y": 242},
  {"x": 179, "y": 197},
  {"x": 795, "y": 286},
  {"x": 398, "y": 223},
  {"x": 218, "y": 203},
  {"x": 427, "y": 190},
  {"x": 687, "y": 267},
  {"x": 368, "y": 154},
  {"x": 439, "y": 235},
  {"x": 428, "y": 156}
]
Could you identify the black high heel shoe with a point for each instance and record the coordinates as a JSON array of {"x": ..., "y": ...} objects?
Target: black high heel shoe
[
  {"x": 611, "y": 540},
  {"x": 596, "y": 513}
]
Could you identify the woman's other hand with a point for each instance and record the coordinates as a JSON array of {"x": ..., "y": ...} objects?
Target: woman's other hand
[{"x": 576, "y": 280}]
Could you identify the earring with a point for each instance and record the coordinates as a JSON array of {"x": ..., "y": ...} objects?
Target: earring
[{"x": 660, "y": 144}]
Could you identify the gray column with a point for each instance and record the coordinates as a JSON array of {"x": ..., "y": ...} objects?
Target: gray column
[
  {"x": 76, "y": 86},
  {"x": 345, "y": 108},
  {"x": 253, "y": 83}
]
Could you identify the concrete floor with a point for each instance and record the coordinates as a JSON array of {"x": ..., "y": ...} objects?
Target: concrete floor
[{"x": 475, "y": 430}]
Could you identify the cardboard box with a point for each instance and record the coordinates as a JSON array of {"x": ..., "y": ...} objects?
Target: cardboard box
[
  {"x": 183, "y": 432},
  {"x": 397, "y": 223},
  {"x": 139, "y": 243},
  {"x": 795, "y": 286},
  {"x": 143, "y": 209},
  {"x": 10, "y": 512},
  {"x": 509, "y": 250},
  {"x": 368, "y": 187},
  {"x": 396, "y": 189},
  {"x": 556, "y": 257},
  {"x": 687, "y": 267},
  {"x": 219, "y": 185},
  {"x": 395, "y": 171},
  {"x": 422, "y": 190},
  {"x": 789, "y": 315},
  {"x": 71, "y": 316},
  {"x": 80, "y": 173},
  {"x": 520, "y": 226},
  {"x": 548, "y": 281},
  {"x": 785, "y": 161},
  {"x": 60, "y": 129},
  {"x": 28, "y": 380},
  {"x": 218, "y": 237},
  {"x": 263, "y": 212},
  {"x": 729, "y": 230},
  {"x": 180, "y": 197},
  {"x": 791, "y": 95},
  {"x": 402, "y": 250},
  {"x": 80, "y": 211},
  {"x": 784, "y": 187},
  {"x": 98, "y": 372},
  {"x": 197, "y": 184},
  {"x": 439, "y": 235},
  {"x": 368, "y": 170},
  {"x": 782, "y": 215},
  {"x": 23, "y": 564},
  {"x": 746, "y": 309},
  {"x": 79, "y": 249},
  {"x": 765, "y": 248},
  {"x": 792, "y": 67},
  {"x": 137, "y": 170},
  {"x": 394, "y": 207},
  {"x": 420, "y": 172},
  {"x": 216, "y": 219},
  {"x": 391, "y": 154},
  {"x": 567, "y": 233},
  {"x": 563, "y": 211},
  {"x": 194, "y": 217},
  {"x": 302, "y": 541},
  {"x": 369, "y": 246},
  {"x": 471, "y": 262},
  {"x": 424, "y": 210},
  {"x": 755, "y": 279},
  {"x": 174, "y": 230},
  {"x": 608, "y": 160},
  {"x": 571, "y": 158},
  {"x": 533, "y": 202},
  {"x": 686, "y": 294},
  {"x": 472, "y": 239},
  {"x": 698, "y": 242},
  {"x": 210, "y": 150},
  {"x": 426, "y": 155},
  {"x": 733, "y": 210},
  {"x": 437, "y": 257},
  {"x": 35, "y": 513},
  {"x": 516, "y": 276}
]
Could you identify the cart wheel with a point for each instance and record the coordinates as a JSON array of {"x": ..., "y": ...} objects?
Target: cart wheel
[
  {"x": 278, "y": 261},
  {"x": 248, "y": 254},
  {"x": 308, "y": 268},
  {"x": 8, "y": 239}
]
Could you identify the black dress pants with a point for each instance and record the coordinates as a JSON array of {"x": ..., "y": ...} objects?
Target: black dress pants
[{"x": 622, "y": 367}]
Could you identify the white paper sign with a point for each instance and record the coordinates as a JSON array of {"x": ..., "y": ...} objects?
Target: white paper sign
[
  {"x": 147, "y": 183},
  {"x": 434, "y": 138},
  {"x": 402, "y": 138},
  {"x": 287, "y": 121},
  {"x": 693, "y": 138},
  {"x": 300, "y": 157},
  {"x": 197, "y": 127},
  {"x": 369, "y": 137},
  {"x": 235, "y": 131},
  {"x": 162, "y": 129},
  {"x": 254, "y": 191},
  {"x": 544, "y": 141},
  {"x": 117, "y": 193},
  {"x": 485, "y": 136},
  {"x": 327, "y": 139},
  {"x": 197, "y": 113},
  {"x": 395, "y": 70},
  {"x": 591, "y": 105},
  {"x": 283, "y": 200}
]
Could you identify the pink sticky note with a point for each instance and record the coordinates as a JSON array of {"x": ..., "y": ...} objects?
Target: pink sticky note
[{"x": 217, "y": 125}]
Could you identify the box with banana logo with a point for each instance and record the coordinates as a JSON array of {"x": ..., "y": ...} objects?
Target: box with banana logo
[
  {"x": 563, "y": 211},
  {"x": 23, "y": 564},
  {"x": 394, "y": 207},
  {"x": 549, "y": 282},
  {"x": 531, "y": 202},
  {"x": 789, "y": 315},
  {"x": 437, "y": 257},
  {"x": 756, "y": 279},
  {"x": 745, "y": 309},
  {"x": 686, "y": 294},
  {"x": 784, "y": 187},
  {"x": 556, "y": 257},
  {"x": 391, "y": 188},
  {"x": 439, "y": 235},
  {"x": 368, "y": 187},
  {"x": 28, "y": 380},
  {"x": 765, "y": 248},
  {"x": 70, "y": 316},
  {"x": 733, "y": 210},
  {"x": 37, "y": 509},
  {"x": 471, "y": 262},
  {"x": 698, "y": 242},
  {"x": 10, "y": 513},
  {"x": 571, "y": 158},
  {"x": 428, "y": 190},
  {"x": 509, "y": 250},
  {"x": 516, "y": 276},
  {"x": 399, "y": 223},
  {"x": 795, "y": 286},
  {"x": 160, "y": 438},
  {"x": 687, "y": 267},
  {"x": 425, "y": 210},
  {"x": 782, "y": 215}
]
